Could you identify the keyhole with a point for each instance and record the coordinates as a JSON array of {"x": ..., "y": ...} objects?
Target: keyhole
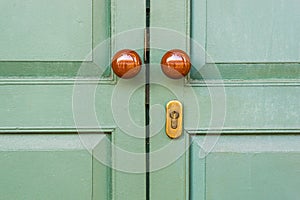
[{"x": 174, "y": 116}]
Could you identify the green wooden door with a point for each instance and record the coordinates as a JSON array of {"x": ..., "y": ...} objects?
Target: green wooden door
[
  {"x": 70, "y": 129},
  {"x": 241, "y": 100},
  {"x": 59, "y": 136}
]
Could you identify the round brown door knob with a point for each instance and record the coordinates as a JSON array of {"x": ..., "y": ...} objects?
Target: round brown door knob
[
  {"x": 126, "y": 63},
  {"x": 176, "y": 64}
]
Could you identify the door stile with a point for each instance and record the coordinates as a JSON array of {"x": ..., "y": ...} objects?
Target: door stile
[
  {"x": 169, "y": 158},
  {"x": 128, "y": 151}
]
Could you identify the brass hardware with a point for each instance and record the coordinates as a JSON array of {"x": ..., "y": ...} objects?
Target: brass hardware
[
  {"x": 126, "y": 63},
  {"x": 175, "y": 64},
  {"x": 174, "y": 119}
]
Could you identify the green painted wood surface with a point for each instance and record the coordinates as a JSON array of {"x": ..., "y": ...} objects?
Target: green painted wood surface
[
  {"x": 42, "y": 31},
  {"x": 253, "y": 31},
  {"x": 259, "y": 74},
  {"x": 168, "y": 157},
  {"x": 128, "y": 176},
  {"x": 45, "y": 167},
  {"x": 60, "y": 56},
  {"x": 38, "y": 97},
  {"x": 102, "y": 187},
  {"x": 250, "y": 74},
  {"x": 246, "y": 47},
  {"x": 247, "y": 167},
  {"x": 35, "y": 110},
  {"x": 248, "y": 108},
  {"x": 169, "y": 28}
]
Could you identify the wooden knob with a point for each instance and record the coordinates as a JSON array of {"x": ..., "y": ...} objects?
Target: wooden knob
[
  {"x": 176, "y": 64},
  {"x": 126, "y": 64}
]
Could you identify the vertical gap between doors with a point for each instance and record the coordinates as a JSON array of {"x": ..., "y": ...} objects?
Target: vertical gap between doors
[{"x": 147, "y": 97}]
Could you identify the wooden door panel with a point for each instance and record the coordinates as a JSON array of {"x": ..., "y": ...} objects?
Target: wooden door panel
[
  {"x": 42, "y": 40},
  {"x": 46, "y": 175},
  {"x": 253, "y": 31},
  {"x": 247, "y": 42},
  {"x": 253, "y": 110},
  {"x": 44, "y": 65},
  {"x": 243, "y": 84},
  {"x": 49, "y": 166},
  {"x": 246, "y": 167},
  {"x": 40, "y": 30}
]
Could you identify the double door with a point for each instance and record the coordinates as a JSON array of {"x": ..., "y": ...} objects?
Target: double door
[{"x": 72, "y": 129}]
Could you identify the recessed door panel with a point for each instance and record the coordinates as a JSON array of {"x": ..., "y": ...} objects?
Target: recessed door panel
[
  {"x": 246, "y": 167},
  {"x": 50, "y": 166},
  {"x": 246, "y": 31},
  {"x": 41, "y": 30}
]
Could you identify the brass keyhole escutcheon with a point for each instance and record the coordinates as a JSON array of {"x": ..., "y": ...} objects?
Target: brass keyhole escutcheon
[{"x": 174, "y": 119}]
